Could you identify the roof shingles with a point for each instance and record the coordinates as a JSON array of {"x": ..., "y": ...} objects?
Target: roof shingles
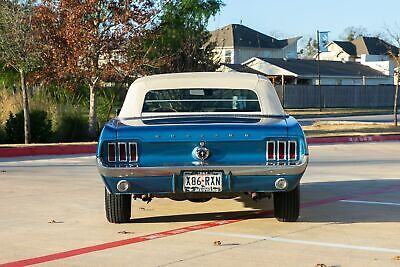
[
  {"x": 304, "y": 67},
  {"x": 243, "y": 68},
  {"x": 236, "y": 35},
  {"x": 367, "y": 45}
]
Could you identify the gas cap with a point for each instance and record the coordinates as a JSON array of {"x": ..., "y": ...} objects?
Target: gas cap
[{"x": 201, "y": 152}]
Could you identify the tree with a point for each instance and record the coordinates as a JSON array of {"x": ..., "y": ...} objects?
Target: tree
[
  {"x": 18, "y": 47},
  {"x": 351, "y": 33},
  {"x": 310, "y": 49},
  {"x": 394, "y": 53},
  {"x": 180, "y": 40},
  {"x": 88, "y": 40}
]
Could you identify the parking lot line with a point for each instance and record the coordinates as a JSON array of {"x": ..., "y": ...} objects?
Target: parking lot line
[
  {"x": 153, "y": 236},
  {"x": 303, "y": 242},
  {"x": 371, "y": 202}
]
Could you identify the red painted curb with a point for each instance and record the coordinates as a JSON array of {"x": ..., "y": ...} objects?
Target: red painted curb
[
  {"x": 63, "y": 149},
  {"x": 47, "y": 150},
  {"x": 351, "y": 139}
]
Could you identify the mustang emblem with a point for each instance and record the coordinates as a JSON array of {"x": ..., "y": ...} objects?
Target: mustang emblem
[{"x": 202, "y": 152}]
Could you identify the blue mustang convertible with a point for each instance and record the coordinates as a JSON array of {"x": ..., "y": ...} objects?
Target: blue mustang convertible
[{"x": 195, "y": 136}]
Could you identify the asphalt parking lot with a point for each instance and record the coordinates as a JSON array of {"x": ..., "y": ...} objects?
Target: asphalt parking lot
[{"x": 52, "y": 213}]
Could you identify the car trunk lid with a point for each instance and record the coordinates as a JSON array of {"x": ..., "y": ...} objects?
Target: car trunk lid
[{"x": 230, "y": 140}]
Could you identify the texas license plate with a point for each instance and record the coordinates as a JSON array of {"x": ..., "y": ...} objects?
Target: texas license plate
[{"x": 202, "y": 181}]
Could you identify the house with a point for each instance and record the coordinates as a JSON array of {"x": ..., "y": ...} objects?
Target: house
[
  {"x": 354, "y": 50},
  {"x": 236, "y": 43},
  {"x": 370, "y": 51},
  {"x": 304, "y": 71},
  {"x": 339, "y": 51}
]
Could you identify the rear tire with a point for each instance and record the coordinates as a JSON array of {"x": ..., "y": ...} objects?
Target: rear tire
[
  {"x": 118, "y": 207},
  {"x": 287, "y": 205}
]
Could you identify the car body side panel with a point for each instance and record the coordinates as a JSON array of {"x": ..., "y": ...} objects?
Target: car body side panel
[{"x": 294, "y": 130}]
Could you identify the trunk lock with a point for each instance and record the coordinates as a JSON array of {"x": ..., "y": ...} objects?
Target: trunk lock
[{"x": 201, "y": 152}]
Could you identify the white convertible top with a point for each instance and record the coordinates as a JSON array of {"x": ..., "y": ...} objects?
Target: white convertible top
[{"x": 269, "y": 102}]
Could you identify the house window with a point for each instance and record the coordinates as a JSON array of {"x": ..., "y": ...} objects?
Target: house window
[
  {"x": 304, "y": 81},
  {"x": 228, "y": 56}
]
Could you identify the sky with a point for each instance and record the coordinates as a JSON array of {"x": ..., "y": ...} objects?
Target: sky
[{"x": 289, "y": 18}]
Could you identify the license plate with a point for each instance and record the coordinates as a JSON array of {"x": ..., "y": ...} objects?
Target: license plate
[{"x": 202, "y": 181}]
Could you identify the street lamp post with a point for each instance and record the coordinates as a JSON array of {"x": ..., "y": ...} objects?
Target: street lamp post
[
  {"x": 322, "y": 41},
  {"x": 319, "y": 74}
]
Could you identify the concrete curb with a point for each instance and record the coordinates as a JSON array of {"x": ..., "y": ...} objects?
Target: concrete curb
[{"x": 71, "y": 149}]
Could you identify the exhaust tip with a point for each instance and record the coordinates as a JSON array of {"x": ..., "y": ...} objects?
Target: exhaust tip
[
  {"x": 281, "y": 183},
  {"x": 123, "y": 186}
]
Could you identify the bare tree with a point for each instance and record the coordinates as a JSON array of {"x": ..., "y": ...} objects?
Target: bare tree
[
  {"x": 310, "y": 49},
  {"x": 351, "y": 33},
  {"x": 18, "y": 47},
  {"x": 394, "y": 53}
]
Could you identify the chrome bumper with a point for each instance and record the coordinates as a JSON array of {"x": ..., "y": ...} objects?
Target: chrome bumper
[{"x": 296, "y": 168}]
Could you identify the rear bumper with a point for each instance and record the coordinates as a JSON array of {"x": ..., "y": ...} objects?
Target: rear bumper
[
  {"x": 295, "y": 168},
  {"x": 166, "y": 180}
]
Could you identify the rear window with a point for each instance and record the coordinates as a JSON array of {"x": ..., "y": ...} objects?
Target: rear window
[{"x": 201, "y": 100}]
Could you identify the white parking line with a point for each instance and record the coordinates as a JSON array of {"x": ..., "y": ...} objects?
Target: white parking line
[
  {"x": 371, "y": 202},
  {"x": 302, "y": 242}
]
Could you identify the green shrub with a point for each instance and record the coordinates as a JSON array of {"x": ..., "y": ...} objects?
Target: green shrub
[
  {"x": 40, "y": 128},
  {"x": 72, "y": 128}
]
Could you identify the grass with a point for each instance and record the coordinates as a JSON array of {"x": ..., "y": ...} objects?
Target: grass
[
  {"x": 9, "y": 103},
  {"x": 340, "y": 128},
  {"x": 315, "y": 112}
]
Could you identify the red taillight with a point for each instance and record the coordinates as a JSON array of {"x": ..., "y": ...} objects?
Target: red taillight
[
  {"x": 122, "y": 151},
  {"x": 111, "y": 151},
  {"x": 281, "y": 150},
  {"x": 292, "y": 150},
  {"x": 271, "y": 155},
  {"x": 133, "y": 152}
]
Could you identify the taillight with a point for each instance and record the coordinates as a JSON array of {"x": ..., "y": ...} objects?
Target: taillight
[
  {"x": 292, "y": 150},
  {"x": 271, "y": 155},
  {"x": 122, "y": 152},
  {"x": 111, "y": 152},
  {"x": 133, "y": 155},
  {"x": 281, "y": 150}
]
